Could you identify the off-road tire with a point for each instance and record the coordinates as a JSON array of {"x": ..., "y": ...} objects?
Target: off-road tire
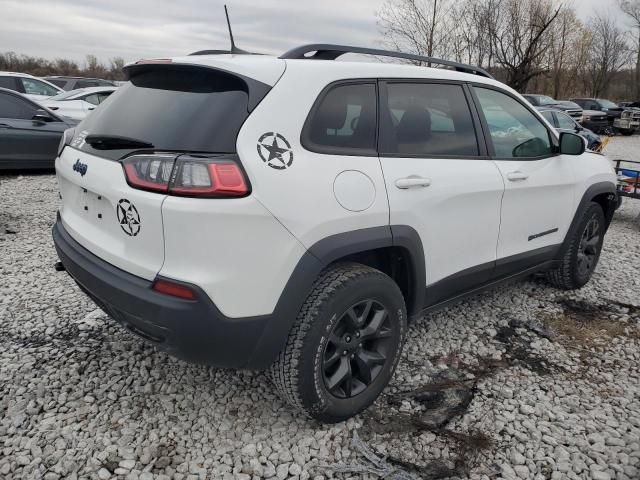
[
  {"x": 568, "y": 276},
  {"x": 298, "y": 371}
]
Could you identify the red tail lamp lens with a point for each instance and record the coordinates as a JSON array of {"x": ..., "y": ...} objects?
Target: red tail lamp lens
[{"x": 173, "y": 289}]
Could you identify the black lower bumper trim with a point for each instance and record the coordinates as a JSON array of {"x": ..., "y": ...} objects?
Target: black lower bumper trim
[{"x": 194, "y": 330}]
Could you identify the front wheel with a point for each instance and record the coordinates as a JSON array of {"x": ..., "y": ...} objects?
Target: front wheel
[
  {"x": 345, "y": 343},
  {"x": 583, "y": 252}
]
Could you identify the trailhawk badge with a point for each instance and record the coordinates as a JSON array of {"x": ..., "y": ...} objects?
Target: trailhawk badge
[
  {"x": 275, "y": 151},
  {"x": 128, "y": 217}
]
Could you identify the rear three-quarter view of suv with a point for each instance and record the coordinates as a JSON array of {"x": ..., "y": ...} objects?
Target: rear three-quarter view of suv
[{"x": 297, "y": 213}]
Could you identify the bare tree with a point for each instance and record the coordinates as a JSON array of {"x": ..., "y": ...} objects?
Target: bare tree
[
  {"x": 609, "y": 52},
  {"x": 520, "y": 39},
  {"x": 632, "y": 9},
  {"x": 418, "y": 26}
]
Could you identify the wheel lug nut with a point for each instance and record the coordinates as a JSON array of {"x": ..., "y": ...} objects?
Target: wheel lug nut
[
  {"x": 357, "y": 334},
  {"x": 360, "y": 345},
  {"x": 348, "y": 339},
  {"x": 345, "y": 353},
  {"x": 352, "y": 355}
]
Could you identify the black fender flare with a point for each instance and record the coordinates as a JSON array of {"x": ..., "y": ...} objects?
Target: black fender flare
[
  {"x": 318, "y": 257},
  {"x": 589, "y": 194}
]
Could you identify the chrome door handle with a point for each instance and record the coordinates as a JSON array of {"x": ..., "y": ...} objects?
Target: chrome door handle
[
  {"x": 517, "y": 176},
  {"x": 412, "y": 182},
  {"x": 91, "y": 108}
]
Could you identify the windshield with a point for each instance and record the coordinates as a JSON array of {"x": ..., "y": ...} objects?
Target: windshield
[
  {"x": 544, "y": 100},
  {"x": 174, "y": 108},
  {"x": 607, "y": 104}
]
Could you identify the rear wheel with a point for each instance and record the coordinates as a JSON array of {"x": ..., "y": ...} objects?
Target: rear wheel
[
  {"x": 345, "y": 344},
  {"x": 582, "y": 255}
]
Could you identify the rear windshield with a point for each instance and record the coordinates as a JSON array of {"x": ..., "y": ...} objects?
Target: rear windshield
[{"x": 174, "y": 108}]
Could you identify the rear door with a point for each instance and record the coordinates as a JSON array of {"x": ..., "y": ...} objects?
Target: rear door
[
  {"x": 440, "y": 181},
  {"x": 539, "y": 184}
]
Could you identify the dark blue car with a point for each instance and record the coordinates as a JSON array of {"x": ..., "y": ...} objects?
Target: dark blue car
[
  {"x": 564, "y": 123},
  {"x": 29, "y": 133}
]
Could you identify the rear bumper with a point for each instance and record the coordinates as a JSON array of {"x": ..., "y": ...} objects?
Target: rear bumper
[{"x": 194, "y": 330}]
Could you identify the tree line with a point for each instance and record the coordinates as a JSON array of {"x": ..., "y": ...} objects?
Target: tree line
[
  {"x": 92, "y": 67},
  {"x": 539, "y": 46}
]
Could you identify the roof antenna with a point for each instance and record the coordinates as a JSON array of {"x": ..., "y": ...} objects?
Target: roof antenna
[{"x": 233, "y": 49}]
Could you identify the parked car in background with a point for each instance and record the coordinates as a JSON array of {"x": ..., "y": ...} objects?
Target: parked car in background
[
  {"x": 564, "y": 123},
  {"x": 29, "y": 133},
  {"x": 73, "y": 83},
  {"x": 32, "y": 87},
  {"x": 77, "y": 104},
  {"x": 574, "y": 107},
  {"x": 597, "y": 122},
  {"x": 537, "y": 100},
  {"x": 626, "y": 124}
]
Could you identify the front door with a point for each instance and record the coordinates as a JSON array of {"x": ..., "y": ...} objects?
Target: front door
[
  {"x": 539, "y": 184},
  {"x": 440, "y": 181}
]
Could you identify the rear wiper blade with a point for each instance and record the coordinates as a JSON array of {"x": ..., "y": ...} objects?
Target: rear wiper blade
[{"x": 114, "y": 142}]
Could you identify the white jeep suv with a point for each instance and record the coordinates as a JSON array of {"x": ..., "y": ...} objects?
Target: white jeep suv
[{"x": 297, "y": 213}]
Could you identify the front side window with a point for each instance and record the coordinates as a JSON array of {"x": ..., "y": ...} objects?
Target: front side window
[
  {"x": 344, "y": 121},
  {"x": 515, "y": 131},
  {"x": 565, "y": 121},
  {"x": 424, "y": 119},
  {"x": 13, "y": 107},
  {"x": 549, "y": 117},
  {"x": 36, "y": 87},
  {"x": 92, "y": 99}
]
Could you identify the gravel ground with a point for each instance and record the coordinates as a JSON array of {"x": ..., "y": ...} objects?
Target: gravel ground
[{"x": 524, "y": 382}]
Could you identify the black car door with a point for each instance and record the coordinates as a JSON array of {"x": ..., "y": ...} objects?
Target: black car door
[{"x": 25, "y": 142}]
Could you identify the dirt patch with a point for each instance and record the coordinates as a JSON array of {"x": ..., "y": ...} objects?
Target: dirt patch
[{"x": 589, "y": 324}]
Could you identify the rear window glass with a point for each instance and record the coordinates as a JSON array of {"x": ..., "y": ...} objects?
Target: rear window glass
[
  {"x": 344, "y": 121},
  {"x": 173, "y": 108}
]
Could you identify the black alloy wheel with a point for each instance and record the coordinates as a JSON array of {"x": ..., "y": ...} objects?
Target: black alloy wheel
[{"x": 357, "y": 349}]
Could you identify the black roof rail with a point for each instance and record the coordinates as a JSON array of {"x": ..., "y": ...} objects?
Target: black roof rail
[{"x": 325, "y": 51}]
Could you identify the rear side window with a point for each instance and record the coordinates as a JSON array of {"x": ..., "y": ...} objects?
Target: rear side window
[
  {"x": 343, "y": 121},
  {"x": 176, "y": 108},
  {"x": 86, "y": 84},
  {"x": 57, "y": 82},
  {"x": 423, "y": 119},
  {"x": 515, "y": 131},
  {"x": 8, "y": 82},
  {"x": 13, "y": 107}
]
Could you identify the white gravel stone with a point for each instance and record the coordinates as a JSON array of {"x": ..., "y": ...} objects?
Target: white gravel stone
[{"x": 81, "y": 398}]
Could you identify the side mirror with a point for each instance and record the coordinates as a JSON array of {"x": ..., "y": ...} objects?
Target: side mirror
[
  {"x": 42, "y": 116},
  {"x": 571, "y": 144}
]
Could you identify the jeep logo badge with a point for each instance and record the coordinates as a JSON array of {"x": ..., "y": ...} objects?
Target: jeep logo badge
[{"x": 80, "y": 167}]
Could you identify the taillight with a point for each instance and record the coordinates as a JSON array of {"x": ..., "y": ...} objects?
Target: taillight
[
  {"x": 67, "y": 136},
  {"x": 186, "y": 175},
  {"x": 149, "y": 171},
  {"x": 173, "y": 289}
]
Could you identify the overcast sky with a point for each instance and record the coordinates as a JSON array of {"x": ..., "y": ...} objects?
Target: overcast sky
[{"x": 135, "y": 29}]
